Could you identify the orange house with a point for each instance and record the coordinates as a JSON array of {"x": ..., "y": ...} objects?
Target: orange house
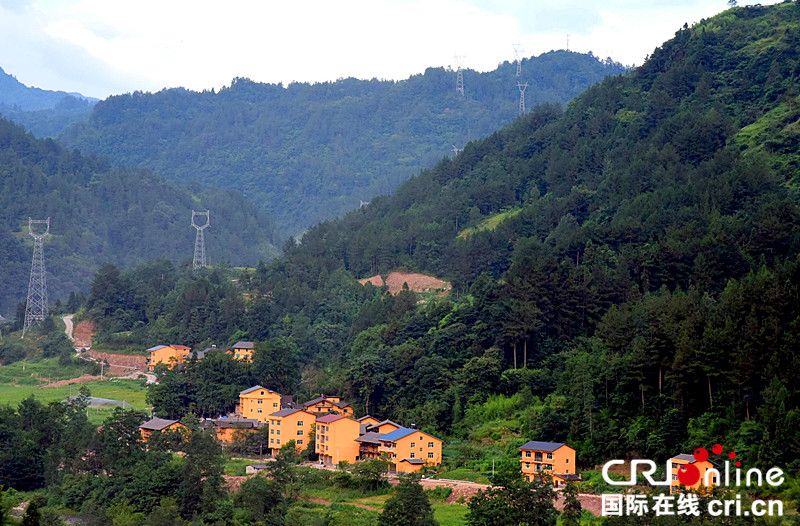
[
  {"x": 678, "y": 461},
  {"x": 290, "y": 424},
  {"x": 328, "y": 404},
  {"x": 226, "y": 429},
  {"x": 158, "y": 425},
  {"x": 554, "y": 458},
  {"x": 336, "y": 439},
  {"x": 258, "y": 402},
  {"x": 410, "y": 449},
  {"x": 169, "y": 354},
  {"x": 242, "y": 351}
]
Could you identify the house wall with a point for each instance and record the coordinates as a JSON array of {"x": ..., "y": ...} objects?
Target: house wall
[
  {"x": 416, "y": 445},
  {"x": 259, "y": 404},
  {"x": 148, "y": 433},
  {"x": 168, "y": 355},
  {"x": 562, "y": 461},
  {"x": 701, "y": 466},
  {"x": 243, "y": 354},
  {"x": 336, "y": 441},
  {"x": 296, "y": 426}
]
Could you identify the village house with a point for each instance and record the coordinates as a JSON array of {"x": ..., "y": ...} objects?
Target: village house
[
  {"x": 678, "y": 461},
  {"x": 242, "y": 351},
  {"x": 553, "y": 458},
  {"x": 328, "y": 404},
  {"x": 290, "y": 424},
  {"x": 258, "y": 402},
  {"x": 228, "y": 429},
  {"x": 410, "y": 449},
  {"x": 158, "y": 425},
  {"x": 168, "y": 354},
  {"x": 336, "y": 439}
]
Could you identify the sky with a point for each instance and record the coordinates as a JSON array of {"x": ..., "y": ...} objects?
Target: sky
[{"x": 104, "y": 47}]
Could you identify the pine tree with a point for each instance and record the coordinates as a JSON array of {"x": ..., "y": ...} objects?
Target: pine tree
[{"x": 33, "y": 517}]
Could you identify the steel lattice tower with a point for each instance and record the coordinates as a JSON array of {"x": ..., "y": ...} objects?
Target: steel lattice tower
[
  {"x": 522, "y": 97},
  {"x": 459, "y": 76},
  {"x": 36, "y": 305},
  {"x": 199, "y": 260},
  {"x": 518, "y": 51}
]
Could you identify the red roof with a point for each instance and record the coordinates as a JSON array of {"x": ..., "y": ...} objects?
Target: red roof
[{"x": 327, "y": 419}]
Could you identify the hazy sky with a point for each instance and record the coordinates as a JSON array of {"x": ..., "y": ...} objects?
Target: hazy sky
[{"x": 102, "y": 47}]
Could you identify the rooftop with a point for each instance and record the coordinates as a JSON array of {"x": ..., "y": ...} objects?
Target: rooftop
[
  {"x": 369, "y": 438},
  {"x": 157, "y": 424},
  {"x": 413, "y": 460},
  {"x": 244, "y": 345},
  {"x": 397, "y": 434},
  {"x": 286, "y": 412},
  {"x": 256, "y": 388},
  {"x": 541, "y": 446},
  {"x": 327, "y": 419}
]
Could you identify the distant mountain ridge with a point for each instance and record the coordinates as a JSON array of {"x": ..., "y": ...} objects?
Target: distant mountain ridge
[
  {"x": 43, "y": 112},
  {"x": 306, "y": 153}
]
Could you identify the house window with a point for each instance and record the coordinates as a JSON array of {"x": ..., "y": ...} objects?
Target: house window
[
  {"x": 299, "y": 432},
  {"x": 279, "y": 422},
  {"x": 528, "y": 454},
  {"x": 567, "y": 461},
  {"x": 299, "y": 422},
  {"x": 279, "y": 432},
  {"x": 527, "y": 465},
  {"x": 275, "y": 404},
  {"x": 549, "y": 456},
  {"x": 261, "y": 401},
  {"x": 271, "y": 431},
  {"x": 299, "y": 442},
  {"x": 567, "y": 472},
  {"x": 430, "y": 455},
  {"x": 271, "y": 440},
  {"x": 674, "y": 477},
  {"x": 412, "y": 455},
  {"x": 259, "y": 409},
  {"x": 412, "y": 444},
  {"x": 279, "y": 441},
  {"x": 430, "y": 444}
]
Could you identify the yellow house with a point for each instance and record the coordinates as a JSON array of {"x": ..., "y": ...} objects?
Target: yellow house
[
  {"x": 242, "y": 351},
  {"x": 336, "y": 439},
  {"x": 169, "y": 354},
  {"x": 410, "y": 449},
  {"x": 678, "y": 461},
  {"x": 226, "y": 429},
  {"x": 554, "y": 458},
  {"x": 258, "y": 403},
  {"x": 328, "y": 404},
  {"x": 290, "y": 424},
  {"x": 158, "y": 425}
]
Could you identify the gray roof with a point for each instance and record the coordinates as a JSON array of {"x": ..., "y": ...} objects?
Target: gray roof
[
  {"x": 322, "y": 398},
  {"x": 244, "y": 345},
  {"x": 157, "y": 424},
  {"x": 255, "y": 388},
  {"x": 241, "y": 423},
  {"x": 379, "y": 424},
  {"x": 287, "y": 412},
  {"x": 684, "y": 456},
  {"x": 541, "y": 446},
  {"x": 369, "y": 438},
  {"x": 413, "y": 460},
  {"x": 157, "y": 347}
]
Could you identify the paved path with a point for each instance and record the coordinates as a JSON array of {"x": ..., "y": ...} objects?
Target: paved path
[{"x": 68, "y": 328}]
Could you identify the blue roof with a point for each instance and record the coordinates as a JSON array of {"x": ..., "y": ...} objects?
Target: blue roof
[
  {"x": 157, "y": 347},
  {"x": 541, "y": 446},
  {"x": 397, "y": 434}
]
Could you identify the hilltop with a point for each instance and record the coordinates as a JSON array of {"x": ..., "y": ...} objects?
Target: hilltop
[
  {"x": 45, "y": 113},
  {"x": 309, "y": 152}
]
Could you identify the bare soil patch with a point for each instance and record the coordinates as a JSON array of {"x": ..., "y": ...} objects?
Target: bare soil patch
[
  {"x": 121, "y": 364},
  {"x": 84, "y": 379},
  {"x": 416, "y": 282},
  {"x": 84, "y": 332}
]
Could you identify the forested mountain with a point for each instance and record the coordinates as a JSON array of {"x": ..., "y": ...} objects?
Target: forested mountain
[
  {"x": 43, "y": 112},
  {"x": 305, "y": 153},
  {"x": 626, "y": 272},
  {"x": 100, "y": 213}
]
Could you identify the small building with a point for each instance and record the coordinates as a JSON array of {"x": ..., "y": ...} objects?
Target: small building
[
  {"x": 227, "y": 429},
  {"x": 369, "y": 446},
  {"x": 252, "y": 469},
  {"x": 158, "y": 425},
  {"x": 171, "y": 355},
  {"x": 410, "y": 449},
  {"x": 336, "y": 439},
  {"x": 678, "y": 461},
  {"x": 258, "y": 402},
  {"x": 243, "y": 351},
  {"x": 199, "y": 355},
  {"x": 328, "y": 404},
  {"x": 554, "y": 458},
  {"x": 290, "y": 424}
]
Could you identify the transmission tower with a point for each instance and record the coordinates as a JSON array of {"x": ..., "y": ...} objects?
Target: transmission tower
[
  {"x": 457, "y": 150},
  {"x": 36, "y": 306},
  {"x": 199, "y": 260},
  {"x": 518, "y": 52},
  {"x": 459, "y": 75},
  {"x": 522, "y": 97}
]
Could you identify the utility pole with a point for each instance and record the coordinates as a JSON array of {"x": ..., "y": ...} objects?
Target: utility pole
[
  {"x": 36, "y": 305},
  {"x": 199, "y": 260},
  {"x": 522, "y": 97}
]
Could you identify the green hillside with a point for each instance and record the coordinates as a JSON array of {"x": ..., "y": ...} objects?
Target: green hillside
[
  {"x": 100, "y": 213},
  {"x": 305, "y": 153},
  {"x": 630, "y": 283}
]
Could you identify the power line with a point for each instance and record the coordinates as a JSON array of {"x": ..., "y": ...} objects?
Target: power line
[{"x": 36, "y": 304}]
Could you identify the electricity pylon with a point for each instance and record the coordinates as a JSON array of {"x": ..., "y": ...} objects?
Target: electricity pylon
[
  {"x": 199, "y": 260},
  {"x": 36, "y": 305},
  {"x": 522, "y": 97}
]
